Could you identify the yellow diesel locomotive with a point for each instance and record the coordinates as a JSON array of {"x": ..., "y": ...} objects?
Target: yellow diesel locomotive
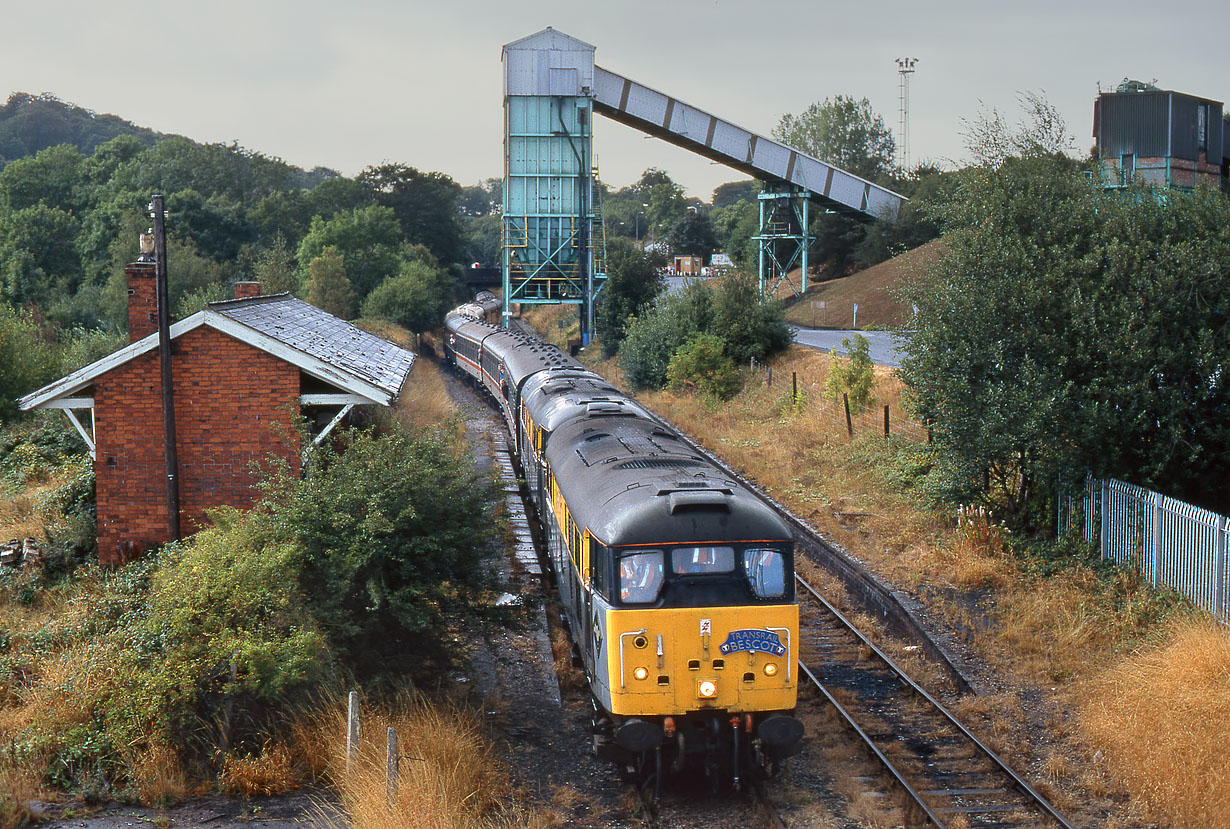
[{"x": 677, "y": 582}]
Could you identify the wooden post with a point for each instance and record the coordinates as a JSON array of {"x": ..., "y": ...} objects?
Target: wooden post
[
  {"x": 352, "y": 731},
  {"x": 769, "y": 382},
  {"x": 845, "y": 398},
  {"x": 794, "y": 388},
  {"x": 390, "y": 767},
  {"x": 886, "y": 420}
]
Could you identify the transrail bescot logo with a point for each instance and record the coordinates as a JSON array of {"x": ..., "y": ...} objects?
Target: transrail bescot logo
[{"x": 765, "y": 641}]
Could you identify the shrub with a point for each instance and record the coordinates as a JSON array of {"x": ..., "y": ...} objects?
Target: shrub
[
  {"x": 392, "y": 532},
  {"x": 853, "y": 376},
  {"x": 752, "y": 327},
  {"x": 701, "y": 364},
  {"x": 653, "y": 338}
]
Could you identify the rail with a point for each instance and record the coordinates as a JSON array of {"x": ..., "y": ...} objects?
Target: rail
[{"x": 903, "y": 726}]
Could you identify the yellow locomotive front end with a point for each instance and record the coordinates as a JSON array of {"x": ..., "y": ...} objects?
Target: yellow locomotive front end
[
  {"x": 707, "y": 669},
  {"x": 674, "y": 661}
]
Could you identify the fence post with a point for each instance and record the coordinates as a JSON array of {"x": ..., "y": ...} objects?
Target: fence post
[
  {"x": 1158, "y": 500},
  {"x": 769, "y": 382},
  {"x": 1105, "y": 541},
  {"x": 845, "y": 398},
  {"x": 352, "y": 730},
  {"x": 885, "y": 420},
  {"x": 1219, "y": 560},
  {"x": 390, "y": 768},
  {"x": 794, "y": 388}
]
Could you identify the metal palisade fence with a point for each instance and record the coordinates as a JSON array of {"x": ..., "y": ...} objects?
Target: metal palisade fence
[{"x": 1167, "y": 541}]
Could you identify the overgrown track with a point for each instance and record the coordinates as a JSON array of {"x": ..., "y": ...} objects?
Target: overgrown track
[{"x": 942, "y": 768}]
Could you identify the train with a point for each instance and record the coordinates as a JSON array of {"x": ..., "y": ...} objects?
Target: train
[{"x": 676, "y": 581}]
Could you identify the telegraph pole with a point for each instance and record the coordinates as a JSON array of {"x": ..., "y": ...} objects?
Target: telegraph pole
[{"x": 158, "y": 214}]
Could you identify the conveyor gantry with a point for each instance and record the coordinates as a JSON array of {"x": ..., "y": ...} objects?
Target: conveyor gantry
[{"x": 686, "y": 126}]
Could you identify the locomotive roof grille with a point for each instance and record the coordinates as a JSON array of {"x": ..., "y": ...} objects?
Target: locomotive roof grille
[{"x": 659, "y": 463}]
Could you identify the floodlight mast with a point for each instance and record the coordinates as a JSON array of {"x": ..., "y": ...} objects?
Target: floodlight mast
[{"x": 905, "y": 68}]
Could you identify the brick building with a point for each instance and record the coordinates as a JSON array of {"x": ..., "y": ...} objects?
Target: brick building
[
  {"x": 243, "y": 371},
  {"x": 1160, "y": 138}
]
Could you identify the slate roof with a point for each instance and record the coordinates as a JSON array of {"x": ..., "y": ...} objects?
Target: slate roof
[
  {"x": 320, "y": 344},
  {"x": 312, "y": 331}
]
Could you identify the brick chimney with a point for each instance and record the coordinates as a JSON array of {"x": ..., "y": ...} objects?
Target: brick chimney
[
  {"x": 243, "y": 290},
  {"x": 142, "y": 300}
]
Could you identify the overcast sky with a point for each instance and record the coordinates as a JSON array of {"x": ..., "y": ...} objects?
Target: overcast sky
[{"x": 348, "y": 84}]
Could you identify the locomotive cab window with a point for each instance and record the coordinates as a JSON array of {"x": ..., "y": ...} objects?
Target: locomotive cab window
[
  {"x": 699, "y": 561},
  {"x": 640, "y": 577},
  {"x": 766, "y": 572}
]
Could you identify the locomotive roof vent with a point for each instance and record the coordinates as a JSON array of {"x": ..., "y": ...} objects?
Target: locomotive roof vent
[
  {"x": 604, "y": 407},
  {"x": 711, "y": 499}
]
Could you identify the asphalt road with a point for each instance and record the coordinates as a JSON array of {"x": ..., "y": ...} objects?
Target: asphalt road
[{"x": 883, "y": 348}]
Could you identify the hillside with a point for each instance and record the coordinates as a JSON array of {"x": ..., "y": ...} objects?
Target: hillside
[
  {"x": 29, "y": 123},
  {"x": 869, "y": 288}
]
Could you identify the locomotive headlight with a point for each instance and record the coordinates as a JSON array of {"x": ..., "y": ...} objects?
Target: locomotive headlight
[
  {"x": 707, "y": 689},
  {"x": 770, "y": 669},
  {"x": 641, "y": 673}
]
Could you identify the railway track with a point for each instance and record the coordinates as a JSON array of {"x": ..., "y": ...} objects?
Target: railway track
[{"x": 944, "y": 771}]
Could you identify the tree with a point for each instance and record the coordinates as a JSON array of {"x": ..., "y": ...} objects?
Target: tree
[
  {"x": 653, "y": 337},
  {"x": 51, "y": 177},
  {"x": 748, "y": 326},
  {"x": 733, "y": 228},
  {"x": 1065, "y": 329},
  {"x": 844, "y": 132},
  {"x": 692, "y": 235},
  {"x": 38, "y": 254},
  {"x": 274, "y": 268},
  {"x": 733, "y": 192},
  {"x": 632, "y": 284},
  {"x": 328, "y": 288},
  {"x": 482, "y": 199},
  {"x": 368, "y": 239},
  {"x": 425, "y": 205},
  {"x": 417, "y": 297},
  {"x": 29, "y": 360}
]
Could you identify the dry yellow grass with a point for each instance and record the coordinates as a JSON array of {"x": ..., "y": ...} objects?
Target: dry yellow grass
[
  {"x": 425, "y": 400},
  {"x": 270, "y": 772},
  {"x": 1161, "y": 718},
  {"x": 450, "y": 776}
]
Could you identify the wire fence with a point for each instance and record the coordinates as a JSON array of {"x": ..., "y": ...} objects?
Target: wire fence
[
  {"x": 875, "y": 419},
  {"x": 1165, "y": 540}
]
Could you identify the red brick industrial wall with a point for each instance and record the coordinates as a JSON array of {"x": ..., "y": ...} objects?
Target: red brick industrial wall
[{"x": 234, "y": 404}]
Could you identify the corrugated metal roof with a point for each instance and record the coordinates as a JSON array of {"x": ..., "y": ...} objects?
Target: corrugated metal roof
[{"x": 308, "y": 329}]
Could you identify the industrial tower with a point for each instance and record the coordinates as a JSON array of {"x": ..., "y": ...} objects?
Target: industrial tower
[{"x": 552, "y": 90}]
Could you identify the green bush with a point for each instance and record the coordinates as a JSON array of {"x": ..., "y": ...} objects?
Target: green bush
[
  {"x": 853, "y": 376},
  {"x": 652, "y": 339},
  {"x": 701, "y": 365},
  {"x": 750, "y": 326},
  {"x": 392, "y": 531}
]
